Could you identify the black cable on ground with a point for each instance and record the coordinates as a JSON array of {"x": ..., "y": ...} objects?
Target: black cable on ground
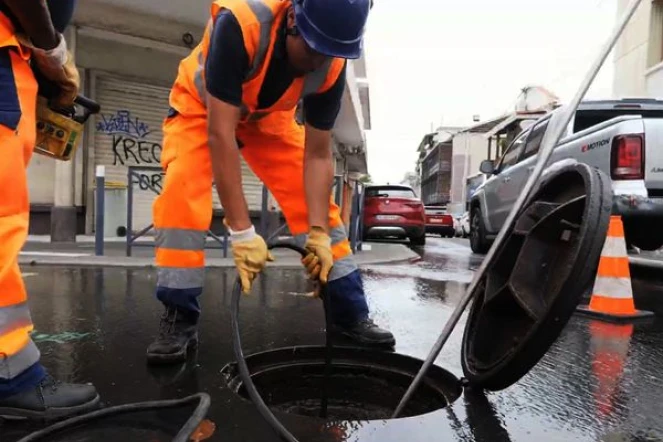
[
  {"x": 184, "y": 434},
  {"x": 241, "y": 362}
]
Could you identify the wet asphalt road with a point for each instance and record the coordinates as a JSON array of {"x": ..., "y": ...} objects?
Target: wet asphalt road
[{"x": 598, "y": 382}]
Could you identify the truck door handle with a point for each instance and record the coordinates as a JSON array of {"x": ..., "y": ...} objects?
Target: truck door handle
[
  {"x": 530, "y": 168},
  {"x": 506, "y": 179}
]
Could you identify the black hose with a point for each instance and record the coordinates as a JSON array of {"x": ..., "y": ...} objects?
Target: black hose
[
  {"x": 328, "y": 351},
  {"x": 244, "y": 373},
  {"x": 184, "y": 435},
  {"x": 203, "y": 399}
]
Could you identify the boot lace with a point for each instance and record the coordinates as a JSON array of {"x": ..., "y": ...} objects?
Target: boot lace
[
  {"x": 167, "y": 323},
  {"x": 50, "y": 382}
]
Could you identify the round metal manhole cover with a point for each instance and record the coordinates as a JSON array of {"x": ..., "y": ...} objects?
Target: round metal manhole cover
[
  {"x": 546, "y": 264},
  {"x": 365, "y": 384}
]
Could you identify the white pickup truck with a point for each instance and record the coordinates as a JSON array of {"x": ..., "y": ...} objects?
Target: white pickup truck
[{"x": 623, "y": 138}]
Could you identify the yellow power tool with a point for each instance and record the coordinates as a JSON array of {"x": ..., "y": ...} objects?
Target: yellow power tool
[{"x": 59, "y": 130}]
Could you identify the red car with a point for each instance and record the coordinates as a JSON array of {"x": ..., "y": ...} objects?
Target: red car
[
  {"x": 394, "y": 211},
  {"x": 438, "y": 221}
]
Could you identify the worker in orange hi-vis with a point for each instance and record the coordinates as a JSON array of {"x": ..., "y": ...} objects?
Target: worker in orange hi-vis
[
  {"x": 30, "y": 38},
  {"x": 236, "y": 94}
]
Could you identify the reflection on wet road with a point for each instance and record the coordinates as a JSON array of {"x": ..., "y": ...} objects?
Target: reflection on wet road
[{"x": 598, "y": 383}]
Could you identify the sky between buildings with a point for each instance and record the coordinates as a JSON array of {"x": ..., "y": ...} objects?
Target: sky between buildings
[{"x": 439, "y": 62}]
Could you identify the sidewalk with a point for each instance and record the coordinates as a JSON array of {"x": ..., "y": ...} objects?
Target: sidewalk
[{"x": 38, "y": 250}]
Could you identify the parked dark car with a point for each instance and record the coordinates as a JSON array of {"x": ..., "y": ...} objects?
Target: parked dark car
[
  {"x": 439, "y": 221},
  {"x": 394, "y": 211}
]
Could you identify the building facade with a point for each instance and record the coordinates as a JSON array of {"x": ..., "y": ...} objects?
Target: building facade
[
  {"x": 638, "y": 58},
  {"x": 433, "y": 167},
  {"x": 128, "y": 54},
  {"x": 436, "y": 174},
  {"x": 449, "y": 159}
]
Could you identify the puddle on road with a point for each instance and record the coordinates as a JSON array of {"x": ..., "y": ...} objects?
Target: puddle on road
[
  {"x": 441, "y": 261},
  {"x": 420, "y": 272}
]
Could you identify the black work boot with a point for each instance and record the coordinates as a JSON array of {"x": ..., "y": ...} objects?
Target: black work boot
[
  {"x": 50, "y": 400},
  {"x": 367, "y": 333},
  {"x": 178, "y": 331}
]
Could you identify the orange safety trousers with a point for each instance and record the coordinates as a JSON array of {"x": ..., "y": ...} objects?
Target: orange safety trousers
[
  {"x": 183, "y": 212},
  {"x": 18, "y": 94}
]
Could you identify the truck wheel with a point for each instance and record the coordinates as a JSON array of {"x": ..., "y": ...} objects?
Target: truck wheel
[
  {"x": 478, "y": 241},
  {"x": 418, "y": 240},
  {"x": 643, "y": 235}
]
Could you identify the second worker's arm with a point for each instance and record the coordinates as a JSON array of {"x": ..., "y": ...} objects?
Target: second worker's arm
[
  {"x": 35, "y": 19},
  {"x": 320, "y": 112},
  {"x": 49, "y": 48},
  {"x": 227, "y": 64}
]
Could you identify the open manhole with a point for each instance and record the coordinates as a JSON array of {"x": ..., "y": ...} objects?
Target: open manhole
[
  {"x": 521, "y": 305},
  {"x": 365, "y": 384}
]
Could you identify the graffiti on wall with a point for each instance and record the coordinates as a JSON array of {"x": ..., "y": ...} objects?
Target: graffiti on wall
[
  {"x": 122, "y": 123},
  {"x": 148, "y": 180},
  {"x": 132, "y": 146},
  {"x": 132, "y": 152}
]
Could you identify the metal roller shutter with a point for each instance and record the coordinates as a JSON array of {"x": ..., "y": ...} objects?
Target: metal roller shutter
[
  {"x": 252, "y": 189},
  {"x": 128, "y": 133}
]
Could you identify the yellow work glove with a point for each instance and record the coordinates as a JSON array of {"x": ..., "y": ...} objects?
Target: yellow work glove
[
  {"x": 250, "y": 254},
  {"x": 320, "y": 260},
  {"x": 58, "y": 66}
]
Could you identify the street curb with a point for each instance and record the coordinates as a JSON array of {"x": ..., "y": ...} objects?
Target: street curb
[{"x": 399, "y": 253}]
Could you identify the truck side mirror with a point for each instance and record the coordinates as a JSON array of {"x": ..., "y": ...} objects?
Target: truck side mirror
[{"x": 487, "y": 167}]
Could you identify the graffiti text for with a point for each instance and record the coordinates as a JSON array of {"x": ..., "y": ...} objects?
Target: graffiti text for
[{"x": 148, "y": 181}]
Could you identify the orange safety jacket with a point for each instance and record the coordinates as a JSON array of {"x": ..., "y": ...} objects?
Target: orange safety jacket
[
  {"x": 259, "y": 21},
  {"x": 8, "y": 36}
]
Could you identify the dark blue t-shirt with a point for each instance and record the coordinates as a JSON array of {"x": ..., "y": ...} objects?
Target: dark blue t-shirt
[
  {"x": 61, "y": 13},
  {"x": 228, "y": 65}
]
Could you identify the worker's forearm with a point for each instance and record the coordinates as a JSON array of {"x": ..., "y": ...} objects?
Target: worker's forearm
[
  {"x": 318, "y": 179},
  {"x": 34, "y": 18},
  {"x": 227, "y": 170}
]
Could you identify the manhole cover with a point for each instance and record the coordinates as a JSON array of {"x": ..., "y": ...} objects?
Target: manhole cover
[
  {"x": 365, "y": 384},
  {"x": 547, "y": 263}
]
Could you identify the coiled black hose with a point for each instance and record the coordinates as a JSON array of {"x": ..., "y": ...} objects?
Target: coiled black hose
[
  {"x": 241, "y": 362},
  {"x": 203, "y": 399},
  {"x": 184, "y": 435}
]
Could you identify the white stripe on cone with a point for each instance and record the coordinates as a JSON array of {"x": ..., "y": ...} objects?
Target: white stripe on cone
[
  {"x": 616, "y": 288},
  {"x": 614, "y": 247}
]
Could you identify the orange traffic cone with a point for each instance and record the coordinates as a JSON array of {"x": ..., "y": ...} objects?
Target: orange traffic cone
[{"x": 612, "y": 296}]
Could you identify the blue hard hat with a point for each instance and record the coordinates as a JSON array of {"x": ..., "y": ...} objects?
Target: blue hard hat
[{"x": 333, "y": 27}]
